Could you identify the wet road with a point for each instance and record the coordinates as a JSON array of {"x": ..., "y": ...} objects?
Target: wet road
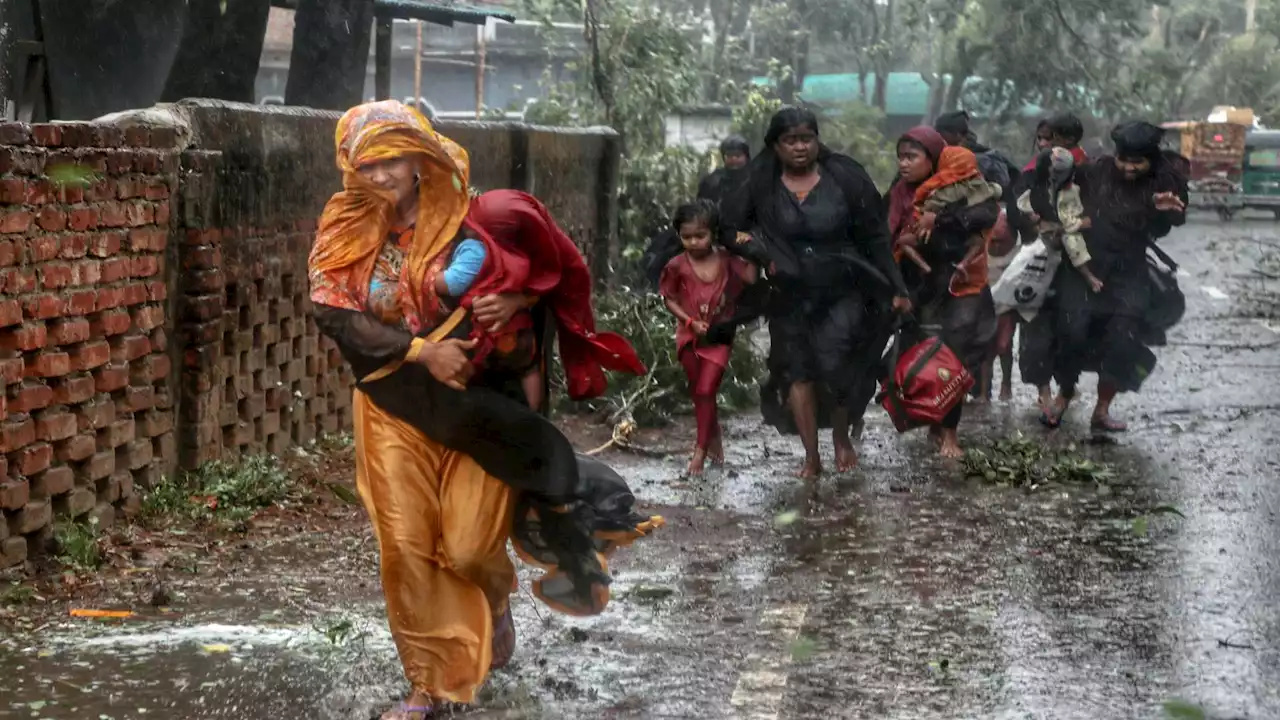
[{"x": 900, "y": 591}]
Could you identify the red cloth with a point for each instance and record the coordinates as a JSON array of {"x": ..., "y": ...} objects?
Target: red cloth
[
  {"x": 559, "y": 275},
  {"x": 710, "y": 302},
  {"x": 704, "y": 382},
  {"x": 1077, "y": 153},
  {"x": 902, "y": 198}
]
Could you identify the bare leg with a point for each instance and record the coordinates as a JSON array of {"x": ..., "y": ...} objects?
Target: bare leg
[
  {"x": 950, "y": 443},
  {"x": 698, "y": 462},
  {"x": 804, "y": 407},
  {"x": 1046, "y": 397},
  {"x": 1006, "y": 376},
  {"x": 846, "y": 455},
  {"x": 531, "y": 384},
  {"x": 1008, "y": 325},
  {"x": 984, "y": 383},
  {"x": 1102, "y": 419}
]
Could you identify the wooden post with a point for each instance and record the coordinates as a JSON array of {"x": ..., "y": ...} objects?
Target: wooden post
[
  {"x": 480, "y": 53},
  {"x": 417, "y": 70},
  {"x": 382, "y": 58}
]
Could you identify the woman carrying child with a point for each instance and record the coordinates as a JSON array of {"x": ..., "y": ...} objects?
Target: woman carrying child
[
  {"x": 699, "y": 287},
  {"x": 941, "y": 214}
]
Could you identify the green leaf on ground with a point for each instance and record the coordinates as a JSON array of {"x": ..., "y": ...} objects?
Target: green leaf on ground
[
  {"x": 1167, "y": 510},
  {"x": 784, "y": 519},
  {"x": 1140, "y": 524},
  {"x": 1183, "y": 710},
  {"x": 344, "y": 493},
  {"x": 803, "y": 648}
]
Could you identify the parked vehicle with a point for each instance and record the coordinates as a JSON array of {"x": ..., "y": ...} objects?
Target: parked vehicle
[
  {"x": 1261, "y": 179},
  {"x": 1216, "y": 153}
]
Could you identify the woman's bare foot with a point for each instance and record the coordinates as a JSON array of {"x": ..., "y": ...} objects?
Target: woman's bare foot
[
  {"x": 846, "y": 455},
  {"x": 935, "y": 434},
  {"x": 504, "y": 640},
  {"x": 1045, "y": 399},
  {"x": 980, "y": 400},
  {"x": 1006, "y": 392},
  {"x": 416, "y": 707},
  {"x": 950, "y": 446},
  {"x": 698, "y": 463},
  {"x": 810, "y": 470},
  {"x": 716, "y": 452},
  {"x": 1106, "y": 423},
  {"x": 1051, "y": 417}
]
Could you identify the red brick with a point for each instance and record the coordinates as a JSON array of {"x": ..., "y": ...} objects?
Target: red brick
[
  {"x": 162, "y": 213},
  {"x": 42, "y": 248},
  {"x": 155, "y": 423},
  {"x": 35, "y": 516},
  {"x": 93, "y": 415},
  {"x": 157, "y": 291},
  {"x": 151, "y": 369},
  {"x": 120, "y": 162},
  {"x": 55, "y": 424},
  {"x": 15, "y": 221},
  {"x": 101, "y": 189},
  {"x": 139, "y": 214},
  {"x": 145, "y": 318},
  {"x": 146, "y": 266},
  {"x": 86, "y": 272},
  {"x": 90, "y": 355},
  {"x": 112, "y": 214},
  {"x": 32, "y": 459},
  {"x": 137, "y": 136},
  {"x": 121, "y": 432},
  {"x": 109, "y": 298},
  {"x": 17, "y": 433},
  {"x": 74, "y": 389},
  {"x": 13, "y": 191},
  {"x": 115, "y": 269},
  {"x": 100, "y": 466},
  {"x": 83, "y": 218},
  {"x": 47, "y": 135},
  {"x": 73, "y": 247},
  {"x": 11, "y": 371},
  {"x": 68, "y": 331},
  {"x": 137, "y": 399},
  {"x": 82, "y": 302},
  {"x": 14, "y": 133},
  {"x": 29, "y": 397},
  {"x": 48, "y": 365},
  {"x": 111, "y": 322},
  {"x": 44, "y": 306},
  {"x": 44, "y": 191},
  {"x": 11, "y": 313},
  {"x": 52, "y": 482},
  {"x": 128, "y": 188},
  {"x": 159, "y": 340},
  {"x": 25, "y": 337},
  {"x": 157, "y": 191},
  {"x": 19, "y": 281},
  {"x": 202, "y": 257},
  {"x": 128, "y": 348},
  {"x": 14, "y": 494},
  {"x": 134, "y": 293},
  {"x": 8, "y": 253},
  {"x": 112, "y": 377},
  {"x": 149, "y": 239},
  {"x": 52, "y": 218},
  {"x": 75, "y": 449},
  {"x": 55, "y": 275}
]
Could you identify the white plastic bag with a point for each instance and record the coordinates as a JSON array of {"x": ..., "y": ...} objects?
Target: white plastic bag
[{"x": 1025, "y": 283}]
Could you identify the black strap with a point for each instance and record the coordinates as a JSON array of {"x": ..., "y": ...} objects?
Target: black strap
[{"x": 1164, "y": 256}]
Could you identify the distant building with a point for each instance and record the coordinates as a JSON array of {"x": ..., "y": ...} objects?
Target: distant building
[
  {"x": 700, "y": 127},
  {"x": 516, "y": 58}
]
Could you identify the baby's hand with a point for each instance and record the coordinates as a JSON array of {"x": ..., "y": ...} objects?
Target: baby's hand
[
  {"x": 1095, "y": 284},
  {"x": 700, "y": 327}
]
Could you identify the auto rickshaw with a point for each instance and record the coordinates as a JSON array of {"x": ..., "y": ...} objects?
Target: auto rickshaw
[
  {"x": 1216, "y": 153},
  {"x": 1261, "y": 177}
]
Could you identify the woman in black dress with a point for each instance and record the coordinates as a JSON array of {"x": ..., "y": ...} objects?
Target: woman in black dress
[{"x": 817, "y": 223}]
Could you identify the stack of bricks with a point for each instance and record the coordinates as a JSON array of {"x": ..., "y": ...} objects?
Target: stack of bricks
[
  {"x": 85, "y": 413},
  {"x": 257, "y": 376}
]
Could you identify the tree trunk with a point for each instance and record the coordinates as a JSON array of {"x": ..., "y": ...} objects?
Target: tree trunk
[
  {"x": 220, "y": 50},
  {"x": 330, "y": 56},
  {"x": 878, "y": 93}
]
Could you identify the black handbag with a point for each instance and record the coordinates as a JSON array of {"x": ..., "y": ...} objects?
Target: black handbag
[{"x": 1166, "y": 304}]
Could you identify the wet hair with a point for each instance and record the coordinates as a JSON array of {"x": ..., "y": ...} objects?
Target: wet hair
[
  {"x": 703, "y": 211},
  {"x": 735, "y": 143},
  {"x": 1065, "y": 125},
  {"x": 789, "y": 118},
  {"x": 953, "y": 123}
]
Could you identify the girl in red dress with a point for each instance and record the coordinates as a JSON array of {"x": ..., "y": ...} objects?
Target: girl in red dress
[{"x": 699, "y": 287}]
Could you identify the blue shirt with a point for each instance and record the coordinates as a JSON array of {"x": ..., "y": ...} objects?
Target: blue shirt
[{"x": 464, "y": 266}]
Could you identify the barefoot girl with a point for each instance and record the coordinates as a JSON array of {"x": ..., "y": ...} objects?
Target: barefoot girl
[{"x": 699, "y": 287}]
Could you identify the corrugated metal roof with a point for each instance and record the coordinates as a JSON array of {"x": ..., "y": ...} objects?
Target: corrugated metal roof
[
  {"x": 438, "y": 14},
  {"x": 906, "y": 93}
]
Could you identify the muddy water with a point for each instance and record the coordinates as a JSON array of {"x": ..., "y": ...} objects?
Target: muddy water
[{"x": 900, "y": 591}]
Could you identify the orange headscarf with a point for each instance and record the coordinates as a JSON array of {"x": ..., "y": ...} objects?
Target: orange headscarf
[
  {"x": 356, "y": 220},
  {"x": 957, "y": 164}
]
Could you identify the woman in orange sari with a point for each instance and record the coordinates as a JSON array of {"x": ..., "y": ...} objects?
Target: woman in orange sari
[{"x": 447, "y": 472}]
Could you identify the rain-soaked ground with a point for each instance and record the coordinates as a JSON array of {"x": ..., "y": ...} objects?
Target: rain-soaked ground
[{"x": 900, "y": 591}]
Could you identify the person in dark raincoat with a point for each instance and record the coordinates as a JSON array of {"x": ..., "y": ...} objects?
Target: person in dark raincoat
[
  {"x": 816, "y": 221},
  {"x": 1132, "y": 198}
]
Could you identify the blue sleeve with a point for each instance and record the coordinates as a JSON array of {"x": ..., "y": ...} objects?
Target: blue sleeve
[{"x": 465, "y": 265}]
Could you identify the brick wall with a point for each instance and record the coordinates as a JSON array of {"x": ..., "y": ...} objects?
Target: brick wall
[
  {"x": 83, "y": 339},
  {"x": 187, "y": 250}
]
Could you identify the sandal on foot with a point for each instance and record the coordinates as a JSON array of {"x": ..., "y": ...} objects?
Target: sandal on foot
[
  {"x": 412, "y": 712},
  {"x": 1108, "y": 425}
]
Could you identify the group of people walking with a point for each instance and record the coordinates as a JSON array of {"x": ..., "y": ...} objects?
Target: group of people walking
[
  {"x": 844, "y": 268},
  {"x": 444, "y": 302}
]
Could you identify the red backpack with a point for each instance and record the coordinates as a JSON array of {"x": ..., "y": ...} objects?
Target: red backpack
[{"x": 926, "y": 382}]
